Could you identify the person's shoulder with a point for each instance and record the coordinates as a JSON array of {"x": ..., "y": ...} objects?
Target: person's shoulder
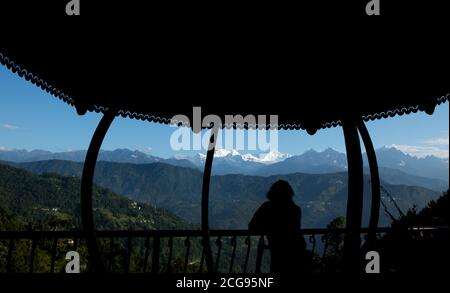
[
  {"x": 297, "y": 208},
  {"x": 266, "y": 204}
]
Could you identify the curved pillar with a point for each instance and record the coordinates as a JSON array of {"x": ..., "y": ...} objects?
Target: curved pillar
[
  {"x": 87, "y": 214},
  {"x": 375, "y": 183},
  {"x": 205, "y": 202},
  {"x": 352, "y": 240}
]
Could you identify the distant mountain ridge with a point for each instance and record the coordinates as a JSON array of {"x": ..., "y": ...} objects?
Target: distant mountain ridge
[
  {"x": 234, "y": 198},
  {"x": 117, "y": 155},
  {"x": 395, "y": 166},
  {"x": 430, "y": 166}
]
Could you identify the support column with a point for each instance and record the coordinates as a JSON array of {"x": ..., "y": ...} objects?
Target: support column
[
  {"x": 375, "y": 183},
  {"x": 87, "y": 179},
  {"x": 352, "y": 240},
  {"x": 205, "y": 202}
]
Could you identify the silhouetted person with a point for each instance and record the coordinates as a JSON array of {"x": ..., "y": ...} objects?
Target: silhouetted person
[{"x": 280, "y": 219}]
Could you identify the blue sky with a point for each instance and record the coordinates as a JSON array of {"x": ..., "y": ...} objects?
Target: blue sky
[{"x": 32, "y": 119}]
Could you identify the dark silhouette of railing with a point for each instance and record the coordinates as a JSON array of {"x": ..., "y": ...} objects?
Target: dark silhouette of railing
[{"x": 151, "y": 244}]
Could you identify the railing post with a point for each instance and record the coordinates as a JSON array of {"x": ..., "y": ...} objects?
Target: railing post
[
  {"x": 233, "y": 252},
  {"x": 87, "y": 179},
  {"x": 111, "y": 252},
  {"x": 169, "y": 258},
  {"x": 147, "y": 247},
  {"x": 54, "y": 246},
  {"x": 155, "y": 256},
  {"x": 312, "y": 239},
  {"x": 202, "y": 258},
  {"x": 219, "y": 251},
  {"x": 9, "y": 257},
  {"x": 248, "y": 241},
  {"x": 32, "y": 253},
  {"x": 128, "y": 254},
  {"x": 187, "y": 244},
  {"x": 259, "y": 254}
]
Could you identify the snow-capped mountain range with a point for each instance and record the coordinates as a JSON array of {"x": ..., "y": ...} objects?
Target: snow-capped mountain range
[
  {"x": 263, "y": 158},
  {"x": 390, "y": 160}
]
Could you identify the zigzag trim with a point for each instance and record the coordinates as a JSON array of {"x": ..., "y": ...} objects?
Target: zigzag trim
[{"x": 4, "y": 60}]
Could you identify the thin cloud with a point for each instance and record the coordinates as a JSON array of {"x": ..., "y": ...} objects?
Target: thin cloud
[
  {"x": 9, "y": 126},
  {"x": 437, "y": 141},
  {"x": 422, "y": 151}
]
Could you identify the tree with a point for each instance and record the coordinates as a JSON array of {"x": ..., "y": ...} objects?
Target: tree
[{"x": 334, "y": 243}]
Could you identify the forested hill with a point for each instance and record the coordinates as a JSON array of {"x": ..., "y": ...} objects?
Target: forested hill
[
  {"x": 50, "y": 201},
  {"x": 233, "y": 198}
]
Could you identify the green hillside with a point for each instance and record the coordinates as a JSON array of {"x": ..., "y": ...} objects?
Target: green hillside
[
  {"x": 233, "y": 198},
  {"x": 51, "y": 199},
  {"x": 52, "y": 202}
]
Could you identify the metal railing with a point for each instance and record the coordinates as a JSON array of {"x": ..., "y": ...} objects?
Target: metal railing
[{"x": 154, "y": 251}]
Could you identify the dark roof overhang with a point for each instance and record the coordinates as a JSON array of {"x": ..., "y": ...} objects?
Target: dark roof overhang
[{"x": 316, "y": 81}]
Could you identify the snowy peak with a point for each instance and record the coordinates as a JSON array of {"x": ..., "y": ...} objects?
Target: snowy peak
[
  {"x": 250, "y": 158},
  {"x": 263, "y": 158},
  {"x": 220, "y": 153},
  {"x": 273, "y": 157},
  {"x": 266, "y": 158}
]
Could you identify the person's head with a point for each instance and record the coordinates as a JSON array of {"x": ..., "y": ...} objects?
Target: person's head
[{"x": 280, "y": 191}]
